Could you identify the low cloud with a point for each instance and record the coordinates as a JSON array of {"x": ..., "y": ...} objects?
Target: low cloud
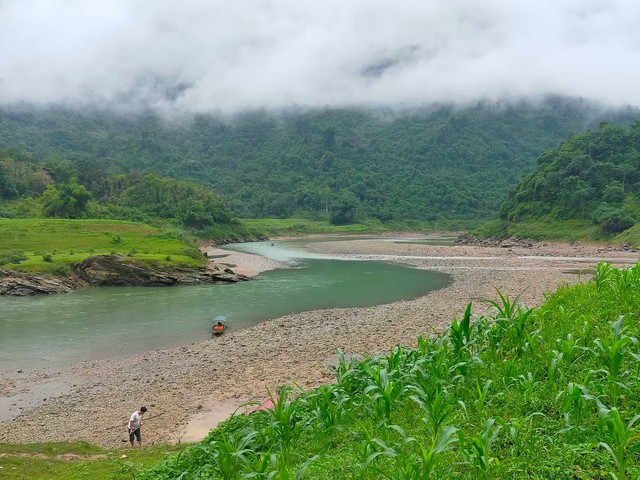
[{"x": 221, "y": 57}]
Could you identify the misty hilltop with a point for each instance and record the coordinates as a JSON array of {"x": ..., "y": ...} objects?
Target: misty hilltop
[{"x": 421, "y": 164}]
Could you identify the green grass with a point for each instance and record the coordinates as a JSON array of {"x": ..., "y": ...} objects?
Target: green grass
[
  {"x": 630, "y": 236},
  {"x": 77, "y": 461},
  {"x": 273, "y": 227},
  {"x": 554, "y": 231},
  {"x": 66, "y": 242}
]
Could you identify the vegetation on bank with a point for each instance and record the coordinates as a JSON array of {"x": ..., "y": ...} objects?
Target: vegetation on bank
[
  {"x": 592, "y": 177},
  {"x": 513, "y": 393},
  {"x": 55, "y": 245},
  {"x": 77, "y": 461}
]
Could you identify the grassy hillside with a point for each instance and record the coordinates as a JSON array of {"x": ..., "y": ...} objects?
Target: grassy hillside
[
  {"x": 77, "y": 461},
  {"x": 53, "y": 245}
]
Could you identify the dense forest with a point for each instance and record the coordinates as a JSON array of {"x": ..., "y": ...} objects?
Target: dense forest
[
  {"x": 425, "y": 164},
  {"x": 29, "y": 188},
  {"x": 594, "y": 176}
]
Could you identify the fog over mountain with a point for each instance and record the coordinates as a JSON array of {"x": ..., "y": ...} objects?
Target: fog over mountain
[{"x": 220, "y": 56}]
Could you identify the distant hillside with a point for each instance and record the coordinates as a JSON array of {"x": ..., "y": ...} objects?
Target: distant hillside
[
  {"x": 425, "y": 164},
  {"x": 593, "y": 176}
]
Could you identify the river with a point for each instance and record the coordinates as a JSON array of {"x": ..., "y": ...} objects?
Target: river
[{"x": 99, "y": 323}]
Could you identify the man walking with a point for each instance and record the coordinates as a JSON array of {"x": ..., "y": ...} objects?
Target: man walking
[{"x": 135, "y": 422}]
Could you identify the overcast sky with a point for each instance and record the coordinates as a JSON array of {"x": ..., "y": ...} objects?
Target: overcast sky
[{"x": 208, "y": 55}]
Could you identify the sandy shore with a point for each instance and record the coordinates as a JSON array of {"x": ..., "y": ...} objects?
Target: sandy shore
[{"x": 191, "y": 388}]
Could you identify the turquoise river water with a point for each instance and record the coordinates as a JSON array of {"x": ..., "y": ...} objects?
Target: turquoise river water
[{"x": 98, "y": 323}]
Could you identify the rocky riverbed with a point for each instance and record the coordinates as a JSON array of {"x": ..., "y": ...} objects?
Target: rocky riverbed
[{"x": 189, "y": 389}]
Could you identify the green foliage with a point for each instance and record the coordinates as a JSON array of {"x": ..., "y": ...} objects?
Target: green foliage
[
  {"x": 14, "y": 256},
  {"x": 54, "y": 245},
  {"x": 67, "y": 200},
  {"x": 78, "y": 460},
  {"x": 612, "y": 219},
  {"x": 431, "y": 164},
  {"x": 21, "y": 175},
  {"x": 595, "y": 175}
]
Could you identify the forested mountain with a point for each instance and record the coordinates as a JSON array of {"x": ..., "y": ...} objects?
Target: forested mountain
[
  {"x": 29, "y": 188},
  {"x": 425, "y": 164},
  {"x": 595, "y": 175}
]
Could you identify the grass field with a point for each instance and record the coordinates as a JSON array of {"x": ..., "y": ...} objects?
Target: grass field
[
  {"x": 53, "y": 245},
  {"x": 274, "y": 227},
  {"x": 554, "y": 231},
  {"x": 77, "y": 461}
]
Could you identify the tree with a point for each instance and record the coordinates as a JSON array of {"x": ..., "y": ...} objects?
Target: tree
[
  {"x": 68, "y": 200},
  {"x": 344, "y": 209}
]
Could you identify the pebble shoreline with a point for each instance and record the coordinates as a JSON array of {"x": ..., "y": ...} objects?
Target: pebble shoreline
[{"x": 190, "y": 388}]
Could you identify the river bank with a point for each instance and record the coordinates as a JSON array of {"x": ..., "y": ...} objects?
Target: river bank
[{"x": 189, "y": 389}]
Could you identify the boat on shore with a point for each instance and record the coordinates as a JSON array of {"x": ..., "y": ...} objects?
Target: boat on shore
[{"x": 219, "y": 325}]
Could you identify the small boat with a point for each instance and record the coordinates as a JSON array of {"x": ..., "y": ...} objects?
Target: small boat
[{"x": 219, "y": 325}]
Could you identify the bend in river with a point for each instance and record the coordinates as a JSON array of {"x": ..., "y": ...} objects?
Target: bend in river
[{"x": 100, "y": 323}]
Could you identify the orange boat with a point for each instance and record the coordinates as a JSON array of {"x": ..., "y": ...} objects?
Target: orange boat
[{"x": 219, "y": 325}]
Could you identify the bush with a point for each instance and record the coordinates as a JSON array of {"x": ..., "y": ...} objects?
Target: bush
[
  {"x": 612, "y": 219},
  {"x": 12, "y": 256},
  {"x": 60, "y": 269},
  {"x": 47, "y": 257}
]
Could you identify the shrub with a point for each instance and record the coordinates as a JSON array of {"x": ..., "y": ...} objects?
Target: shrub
[
  {"x": 47, "y": 257},
  {"x": 612, "y": 219},
  {"x": 60, "y": 269},
  {"x": 12, "y": 256}
]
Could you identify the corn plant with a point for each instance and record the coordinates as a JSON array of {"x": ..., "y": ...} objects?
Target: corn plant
[
  {"x": 482, "y": 395},
  {"x": 374, "y": 449},
  {"x": 526, "y": 385},
  {"x": 555, "y": 361},
  {"x": 567, "y": 346},
  {"x": 230, "y": 454},
  {"x": 619, "y": 438},
  {"x": 517, "y": 428},
  {"x": 429, "y": 458},
  {"x": 478, "y": 450},
  {"x": 382, "y": 391},
  {"x": 260, "y": 465},
  {"x": 506, "y": 308},
  {"x": 436, "y": 370},
  {"x": 612, "y": 351},
  {"x": 270, "y": 466},
  {"x": 460, "y": 337},
  {"x": 574, "y": 399},
  {"x": 437, "y": 406},
  {"x": 604, "y": 275},
  {"x": 399, "y": 361},
  {"x": 346, "y": 369},
  {"x": 283, "y": 425},
  {"x": 512, "y": 325},
  {"x": 326, "y": 405}
]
